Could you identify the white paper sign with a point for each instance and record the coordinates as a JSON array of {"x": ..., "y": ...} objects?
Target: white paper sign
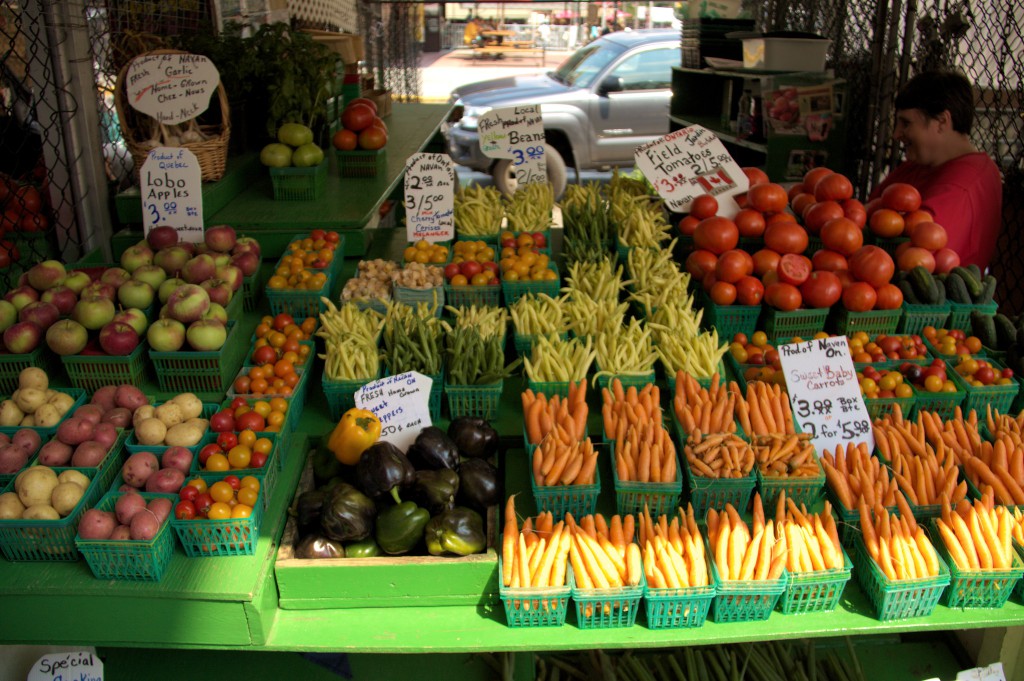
[
  {"x": 517, "y": 133},
  {"x": 430, "y": 197},
  {"x": 824, "y": 393},
  {"x": 686, "y": 163},
  {"x": 76, "y": 666},
  {"x": 171, "y": 190},
  {"x": 172, "y": 88},
  {"x": 993, "y": 672},
  {"x": 401, "y": 403}
]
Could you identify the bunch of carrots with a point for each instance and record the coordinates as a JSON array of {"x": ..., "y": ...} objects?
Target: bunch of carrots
[
  {"x": 765, "y": 410},
  {"x": 709, "y": 410},
  {"x": 854, "y": 475},
  {"x": 745, "y": 555},
  {"x": 556, "y": 462},
  {"x": 566, "y": 417},
  {"x": 897, "y": 544},
  {"x": 644, "y": 451},
  {"x": 1003, "y": 423},
  {"x": 534, "y": 556},
  {"x": 811, "y": 540},
  {"x": 998, "y": 466},
  {"x": 724, "y": 455},
  {"x": 978, "y": 536},
  {"x": 674, "y": 556},
  {"x": 603, "y": 554},
  {"x": 925, "y": 473},
  {"x": 785, "y": 456},
  {"x": 958, "y": 434}
]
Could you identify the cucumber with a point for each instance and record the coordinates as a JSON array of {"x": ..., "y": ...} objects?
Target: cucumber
[
  {"x": 956, "y": 289},
  {"x": 925, "y": 286},
  {"x": 910, "y": 297},
  {"x": 1006, "y": 332},
  {"x": 975, "y": 270},
  {"x": 988, "y": 290},
  {"x": 984, "y": 327},
  {"x": 941, "y": 290},
  {"x": 972, "y": 282}
]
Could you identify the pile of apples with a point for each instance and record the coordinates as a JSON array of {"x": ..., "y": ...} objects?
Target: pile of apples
[{"x": 361, "y": 128}]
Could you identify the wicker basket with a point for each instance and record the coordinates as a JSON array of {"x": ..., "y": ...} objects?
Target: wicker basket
[{"x": 211, "y": 153}]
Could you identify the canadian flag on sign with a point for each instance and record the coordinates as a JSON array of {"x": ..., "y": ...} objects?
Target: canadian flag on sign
[{"x": 715, "y": 181}]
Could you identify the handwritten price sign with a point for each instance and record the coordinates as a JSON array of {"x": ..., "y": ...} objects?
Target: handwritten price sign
[
  {"x": 172, "y": 88},
  {"x": 690, "y": 162},
  {"x": 824, "y": 393},
  {"x": 401, "y": 404},
  {"x": 430, "y": 197},
  {"x": 516, "y": 133},
  {"x": 171, "y": 190}
]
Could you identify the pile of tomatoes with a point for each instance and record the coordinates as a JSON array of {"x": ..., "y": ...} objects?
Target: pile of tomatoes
[
  {"x": 979, "y": 372},
  {"x": 882, "y": 347},
  {"x": 951, "y": 341},
  {"x": 875, "y": 384},
  {"x": 280, "y": 339},
  {"x": 317, "y": 250},
  {"x": 931, "y": 378},
  {"x": 235, "y": 451},
  {"x": 897, "y": 213},
  {"x": 256, "y": 415},
  {"x": 472, "y": 264},
  {"x": 426, "y": 253},
  {"x": 232, "y": 497}
]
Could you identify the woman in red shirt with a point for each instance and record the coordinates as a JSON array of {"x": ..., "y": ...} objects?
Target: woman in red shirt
[{"x": 960, "y": 186}]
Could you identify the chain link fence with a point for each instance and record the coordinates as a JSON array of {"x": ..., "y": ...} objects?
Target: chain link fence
[{"x": 393, "y": 47}]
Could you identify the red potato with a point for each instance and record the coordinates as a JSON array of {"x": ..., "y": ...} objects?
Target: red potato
[
  {"x": 165, "y": 481},
  {"x": 75, "y": 430},
  {"x": 105, "y": 398},
  {"x": 144, "y": 525},
  {"x": 12, "y": 459},
  {"x": 177, "y": 457},
  {"x": 96, "y": 524},
  {"x": 139, "y": 467},
  {"x": 28, "y": 440},
  {"x": 55, "y": 453},
  {"x": 130, "y": 397},
  {"x": 120, "y": 533},
  {"x": 105, "y": 434},
  {"x": 4, "y": 439},
  {"x": 127, "y": 505},
  {"x": 92, "y": 413},
  {"x": 161, "y": 508},
  {"x": 119, "y": 417},
  {"x": 89, "y": 454}
]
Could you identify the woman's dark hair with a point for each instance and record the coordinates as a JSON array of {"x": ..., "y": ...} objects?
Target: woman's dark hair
[{"x": 936, "y": 91}]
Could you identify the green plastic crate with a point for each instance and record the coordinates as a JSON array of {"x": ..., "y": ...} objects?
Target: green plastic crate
[
  {"x": 299, "y": 184},
  {"x": 48, "y": 540},
  {"x": 133, "y": 446},
  {"x": 550, "y": 389},
  {"x": 684, "y": 608},
  {"x": 267, "y": 473},
  {"x": 803, "y": 323},
  {"x": 229, "y": 537},
  {"x": 872, "y": 322},
  {"x": 815, "y": 591},
  {"x": 977, "y": 588},
  {"x": 514, "y": 290},
  {"x": 999, "y": 397},
  {"x": 299, "y": 303},
  {"x": 92, "y": 372},
  {"x": 473, "y": 400},
  {"x": 715, "y": 493},
  {"x": 659, "y": 497},
  {"x": 580, "y": 500},
  {"x": 341, "y": 395},
  {"x": 252, "y": 290},
  {"x": 802, "y": 490},
  {"x": 942, "y": 403},
  {"x": 606, "y": 608},
  {"x": 197, "y": 372},
  {"x": 12, "y": 365},
  {"x": 960, "y": 314},
  {"x": 879, "y": 407},
  {"x": 731, "y": 319},
  {"x": 46, "y": 433},
  {"x": 361, "y": 163},
  {"x": 627, "y": 380},
  {"x": 534, "y": 607},
  {"x": 130, "y": 560},
  {"x": 897, "y": 600},
  {"x": 464, "y": 296},
  {"x": 849, "y": 520},
  {"x": 524, "y": 343},
  {"x": 916, "y": 317},
  {"x": 745, "y": 601},
  {"x": 412, "y": 297}
]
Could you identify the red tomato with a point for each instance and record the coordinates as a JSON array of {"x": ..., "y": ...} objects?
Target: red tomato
[
  {"x": 749, "y": 222},
  {"x": 929, "y": 235},
  {"x": 704, "y": 206},
  {"x": 786, "y": 237},
  {"x": 913, "y": 219},
  {"x": 890, "y": 297},
  {"x": 801, "y": 202},
  {"x": 379, "y": 123},
  {"x": 450, "y": 270},
  {"x": 209, "y": 450},
  {"x": 265, "y": 354},
  {"x": 834, "y": 187},
  {"x": 492, "y": 266},
  {"x": 364, "y": 100},
  {"x": 886, "y": 223},
  {"x": 845, "y": 278},
  {"x": 899, "y": 249},
  {"x": 770, "y": 277},
  {"x": 372, "y": 138},
  {"x": 716, "y": 234},
  {"x": 700, "y": 262},
  {"x": 794, "y": 269},
  {"x": 28, "y": 198},
  {"x": 914, "y": 256},
  {"x": 357, "y": 116},
  {"x": 238, "y": 402},
  {"x": 723, "y": 293},
  {"x": 227, "y": 440},
  {"x": 859, "y": 297},
  {"x": 822, "y": 289},
  {"x": 5, "y": 258},
  {"x": 945, "y": 260},
  {"x": 188, "y": 492},
  {"x": 33, "y": 222},
  {"x": 813, "y": 176},
  {"x": 873, "y": 265},
  {"x": 819, "y": 213},
  {"x": 784, "y": 216},
  {"x": 785, "y": 297},
  {"x": 708, "y": 281},
  {"x": 223, "y": 421},
  {"x": 901, "y": 197},
  {"x": 344, "y": 140},
  {"x": 470, "y": 268},
  {"x": 185, "y": 510},
  {"x": 688, "y": 225},
  {"x": 829, "y": 261},
  {"x": 732, "y": 266},
  {"x": 765, "y": 260},
  {"x": 842, "y": 236},
  {"x": 749, "y": 291},
  {"x": 250, "y": 420},
  {"x": 854, "y": 210},
  {"x": 767, "y": 198},
  {"x": 796, "y": 190},
  {"x": 755, "y": 175}
]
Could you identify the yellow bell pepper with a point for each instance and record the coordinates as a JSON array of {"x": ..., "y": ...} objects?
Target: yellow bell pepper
[{"x": 355, "y": 432}]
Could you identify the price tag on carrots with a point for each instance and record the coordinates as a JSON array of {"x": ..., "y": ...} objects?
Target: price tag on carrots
[
  {"x": 401, "y": 403},
  {"x": 81, "y": 664},
  {"x": 824, "y": 393},
  {"x": 430, "y": 197}
]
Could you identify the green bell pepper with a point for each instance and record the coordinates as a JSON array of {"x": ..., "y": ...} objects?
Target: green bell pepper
[
  {"x": 362, "y": 549},
  {"x": 459, "y": 531},
  {"x": 400, "y": 528}
]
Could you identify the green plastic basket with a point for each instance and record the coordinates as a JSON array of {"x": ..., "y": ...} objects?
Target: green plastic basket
[
  {"x": 46, "y": 433},
  {"x": 48, "y": 540},
  {"x": 916, "y": 317},
  {"x": 815, "y": 591},
  {"x": 896, "y": 600},
  {"x": 879, "y": 407},
  {"x": 942, "y": 403},
  {"x": 252, "y": 290},
  {"x": 550, "y": 389},
  {"x": 413, "y": 297},
  {"x": 606, "y": 608},
  {"x": 803, "y": 323},
  {"x": 659, "y": 497},
  {"x": 580, "y": 500},
  {"x": 92, "y": 372},
  {"x": 731, "y": 319},
  {"x": 977, "y": 588},
  {"x": 267, "y": 473},
  {"x": 534, "y": 607},
  {"x": 1018, "y": 588},
  {"x": 299, "y": 184},
  {"x": 888, "y": 244},
  {"x": 473, "y": 400},
  {"x": 341, "y": 395},
  {"x": 715, "y": 493},
  {"x": 999, "y": 397},
  {"x": 960, "y": 314},
  {"x": 802, "y": 490},
  {"x": 130, "y": 560},
  {"x": 514, "y": 290},
  {"x": 133, "y": 446},
  {"x": 229, "y": 537},
  {"x": 524, "y": 343},
  {"x": 684, "y": 608},
  {"x": 627, "y": 380},
  {"x": 299, "y": 303},
  {"x": 197, "y": 372},
  {"x": 361, "y": 163},
  {"x": 464, "y": 296},
  {"x": 849, "y": 521},
  {"x": 12, "y": 365},
  {"x": 872, "y": 322},
  {"x": 745, "y": 601}
]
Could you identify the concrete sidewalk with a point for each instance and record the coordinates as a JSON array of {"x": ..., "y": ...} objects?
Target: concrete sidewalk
[{"x": 444, "y": 71}]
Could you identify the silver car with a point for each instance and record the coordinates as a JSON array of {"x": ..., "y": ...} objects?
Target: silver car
[{"x": 598, "y": 106}]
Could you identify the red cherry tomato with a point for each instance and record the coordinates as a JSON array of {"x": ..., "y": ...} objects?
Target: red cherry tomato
[
  {"x": 227, "y": 440},
  {"x": 185, "y": 510}
]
